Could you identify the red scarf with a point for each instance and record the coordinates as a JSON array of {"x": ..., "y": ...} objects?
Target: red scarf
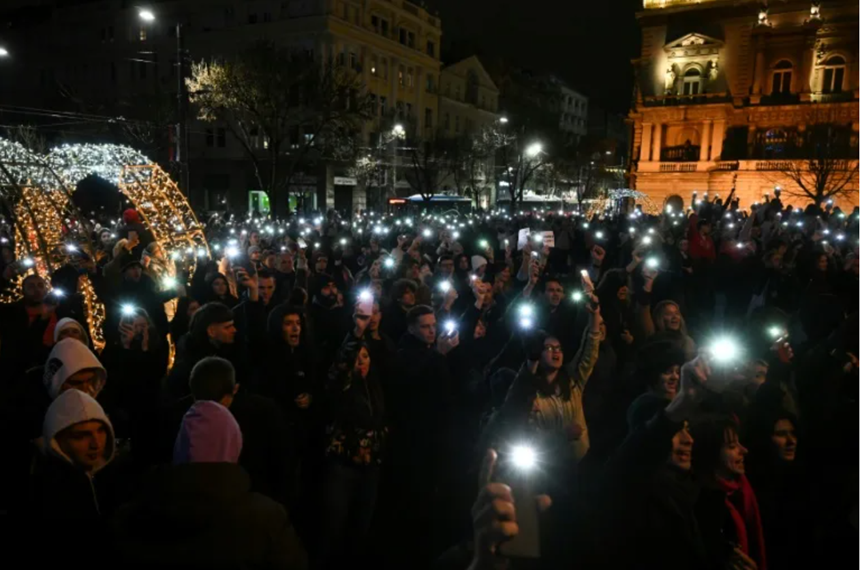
[{"x": 743, "y": 508}]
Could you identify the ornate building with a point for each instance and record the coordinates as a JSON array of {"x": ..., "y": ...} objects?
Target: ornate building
[{"x": 729, "y": 93}]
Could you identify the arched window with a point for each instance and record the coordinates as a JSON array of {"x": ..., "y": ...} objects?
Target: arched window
[
  {"x": 781, "y": 78},
  {"x": 834, "y": 75},
  {"x": 692, "y": 81}
]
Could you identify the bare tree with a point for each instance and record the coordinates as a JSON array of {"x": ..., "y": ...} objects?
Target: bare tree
[
  {"x": 282, "y": 106},
  {"x": 829, "y": 169},
  {"x": 519, "y": 160},
  {"x": 469, "y": 159}
]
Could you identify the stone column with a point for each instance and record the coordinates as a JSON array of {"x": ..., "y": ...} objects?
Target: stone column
[
  {"x": 807, "y": 69},
  {"x": 645, "y": 144},
  {"x": 705, "y": 146},
  {"x": 657, "y": 142},
  {"x": 717, "y": 135},
  {"x": 758, "y": 72}
]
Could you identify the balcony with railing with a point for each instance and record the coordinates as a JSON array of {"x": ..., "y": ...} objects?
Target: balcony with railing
[
  {"x": 681, "y": 153},
  {"x": 680, "y": 99}
]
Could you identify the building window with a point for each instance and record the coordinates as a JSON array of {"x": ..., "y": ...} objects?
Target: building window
[
  {"x": 431, "y": 48},
  {"x": 374, "y": 23},
  {"x": 409, "y": 78},
  {"x": 692, "y": 81},
  {"x": 210, "y": 138},
  {"x": 252, "y": 18},
  {"x": 430, "y": 83},
  {"x": 410, "y": 39},
  {"x": 373, "y": 65},
  {"x": 222, "y": 137},
  {"x": 457, "y": 92},
  {"x": 353, "y": 61},
  {"x": 403, "y": 36},
  {"x": 383, "y": 101},
  {"x": 383, "y": 27},
  {"x": 408, "y": 109},
  {"x": 834, "y": 75},
  {"x": 781, "y": 78},
  {"x": 400, "y": 76},
  {"x": 428, "y": 118},
  {"x": 142, "y": 34}
]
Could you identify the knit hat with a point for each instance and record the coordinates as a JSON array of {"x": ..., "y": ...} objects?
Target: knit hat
[
  {"x": 209, "y": 314},
  {"x": 209, "y": 434},
  {"x": 253, "y": 249},
  {"x": 131, "y": 216},
  {"x": 477, "y": 262}
]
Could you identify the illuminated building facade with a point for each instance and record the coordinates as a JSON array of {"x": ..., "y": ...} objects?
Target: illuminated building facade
[{"x": 728, "y": 92}]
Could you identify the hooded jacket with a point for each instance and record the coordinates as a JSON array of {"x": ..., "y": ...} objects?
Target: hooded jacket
[
  {"x": 209, "y": 434},
  {"x": 68, "y": 357},
  {"x": 69, "y": 322},
  {"x": 62, "y": 490}
]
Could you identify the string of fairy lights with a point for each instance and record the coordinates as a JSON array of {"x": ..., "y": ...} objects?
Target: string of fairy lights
[{"x": 48, "y": 227}]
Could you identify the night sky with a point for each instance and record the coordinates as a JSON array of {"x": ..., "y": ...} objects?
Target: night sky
[{"x": 588, "y": 43}]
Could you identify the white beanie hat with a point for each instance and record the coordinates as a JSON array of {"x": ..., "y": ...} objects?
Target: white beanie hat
[{"x": 478, "y": 261}]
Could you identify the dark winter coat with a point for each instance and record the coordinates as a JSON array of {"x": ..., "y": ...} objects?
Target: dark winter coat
[{"x": 203, "y": 515}]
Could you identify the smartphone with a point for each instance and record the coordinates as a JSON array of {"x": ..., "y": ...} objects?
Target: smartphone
[{"x": 526, "y": 544}]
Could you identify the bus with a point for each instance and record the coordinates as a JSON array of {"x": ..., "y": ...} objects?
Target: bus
[{"x": 438, "y": 203}]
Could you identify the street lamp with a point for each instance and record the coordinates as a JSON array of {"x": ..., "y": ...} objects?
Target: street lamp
[
  {"x": 503, "y": 120},
  {"x": 398, "y": 130},
  {"x": 181, "y": 155},
  {"x": 534, "y": 149}
]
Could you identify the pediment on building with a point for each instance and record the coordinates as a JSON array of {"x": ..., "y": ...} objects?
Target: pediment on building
[{"x": 694, "y": 44}]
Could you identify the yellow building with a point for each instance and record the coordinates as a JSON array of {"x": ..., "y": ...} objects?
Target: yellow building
[
  {"x": 468, "y": 98},
  {"x": 729, "y": 93}
]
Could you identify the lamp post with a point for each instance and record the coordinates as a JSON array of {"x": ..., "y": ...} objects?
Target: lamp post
[
  {"x": 397, "y": 133},
  {"x": 181, "y": 132}
]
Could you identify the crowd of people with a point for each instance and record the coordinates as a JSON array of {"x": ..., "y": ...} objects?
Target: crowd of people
[{"x": 546, "y": 389}]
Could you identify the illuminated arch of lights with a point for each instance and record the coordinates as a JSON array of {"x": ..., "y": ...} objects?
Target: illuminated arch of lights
[{"x": 37, "y": 190}]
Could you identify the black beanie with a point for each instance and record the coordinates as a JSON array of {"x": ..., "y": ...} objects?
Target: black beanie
[{"x": 209, "y": 314}]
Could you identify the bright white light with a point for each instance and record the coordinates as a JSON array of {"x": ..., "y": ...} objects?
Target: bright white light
[
  {"x": 28, "y": 262},
  {"x": 523, "y": 457},
  {"x": 631, "y": 230},
  {"x": 398, "y": 130},
  {"x": 585, "y": 225},
  {"x": 650, "y": 230},
  {"x": 70, "y": 247},
  {"x": 598, "y": 235},
  {"x": 526, "y": 322},
  {"x": 201, "y": 252},
  {"x": 58, "y": 292},
  {"x": 445, "y": 286},
  {"x": 450, "y": 326},
  {"x": 4, "y": 52},
  {"x": 503, "y": 120},
  {"x": 652, "y": 263},
  {"x": 668, "y": 208},
  {"x": 840, "y": 237},
  {"x": 724, "y": 350},
  {"x": 534, "y": 149},
  {"x": 731, "y": 226},
  {"x": 427, "y": 233},
  {"x": 232, "y": 251},
  {"x": 538, "y": 238},
  {"x": 456, "y": 235},
  {"x": 775, "y": 331},
  {"x": 646, "y": 240},
  {"x": 740, "y": 245},
  {"x": 170, "y": 282},
  {"x": 127, "y": 310},
  {"x": 316, "y": 245},
  {"x": 577, "y": 296},
  {"x": 389, "y": 262},
  {"x": 365, "y": 295},
  {"x": 146, "y": 15},
  {"x": 526, "y": 311},
  {"x": 342, "y": 241}
]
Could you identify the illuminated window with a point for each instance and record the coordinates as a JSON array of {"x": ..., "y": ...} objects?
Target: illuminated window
[
  {"x": 142, "y": 34},
  {"x": 692, "y": 81},
  {"x": 781, "y": 78},
  {"x": 834, "y": 75}
]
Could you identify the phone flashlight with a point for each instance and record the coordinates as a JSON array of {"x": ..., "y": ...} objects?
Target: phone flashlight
[
  {"x": 840, "y": 237},
  {"x": 483, "y": 243},
  {"x": 201, "y": 252},
  {"x": 365, "y": 296},
  {"x": 450, "y": 327},
  {"x": 427, "y": 233},
  {"x": 538, "y": 238},
  {"x": 523, "y": 457},
  {"x": 598, "y": 235},
  {"x": 456, "y": 235},
  {"x": 342, "y": 241},
  {"x": 652, "y": 263},
  {"x": 389, "y": 262},
  {"x": 232, "y": 251},
  {"x": 444, "y": 286},
  {"x": 71, "y": 248},
  {"x": 740, "y": 245},
  {"x": 170, "y": 282},
  {"x": 585, "y": 225},
  {"x": 57, "y": 292},
  {"x": 650, "y": 230},
  {"x": 526, "y": 311},
  {"x": 724, "y": 350},
  {"x": 577, "y": 296},
  {"x": 631, "y": 230},
  {"x": 535, "y": 254},
  {"x": 127, "y": 310},
  {"x": 646, "y": 240},
  {"x": 507, "y": 242},
  {"x": 775, "y": 332},
  {"x": 526, "y": 322},
  {"x": 28, "y": 262}
]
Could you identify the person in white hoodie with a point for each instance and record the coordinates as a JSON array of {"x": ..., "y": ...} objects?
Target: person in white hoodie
[
  {"x": 70, "y": 328},
  {"x": 72, "y": 364},
  {"x": 78, "y": 442}
]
